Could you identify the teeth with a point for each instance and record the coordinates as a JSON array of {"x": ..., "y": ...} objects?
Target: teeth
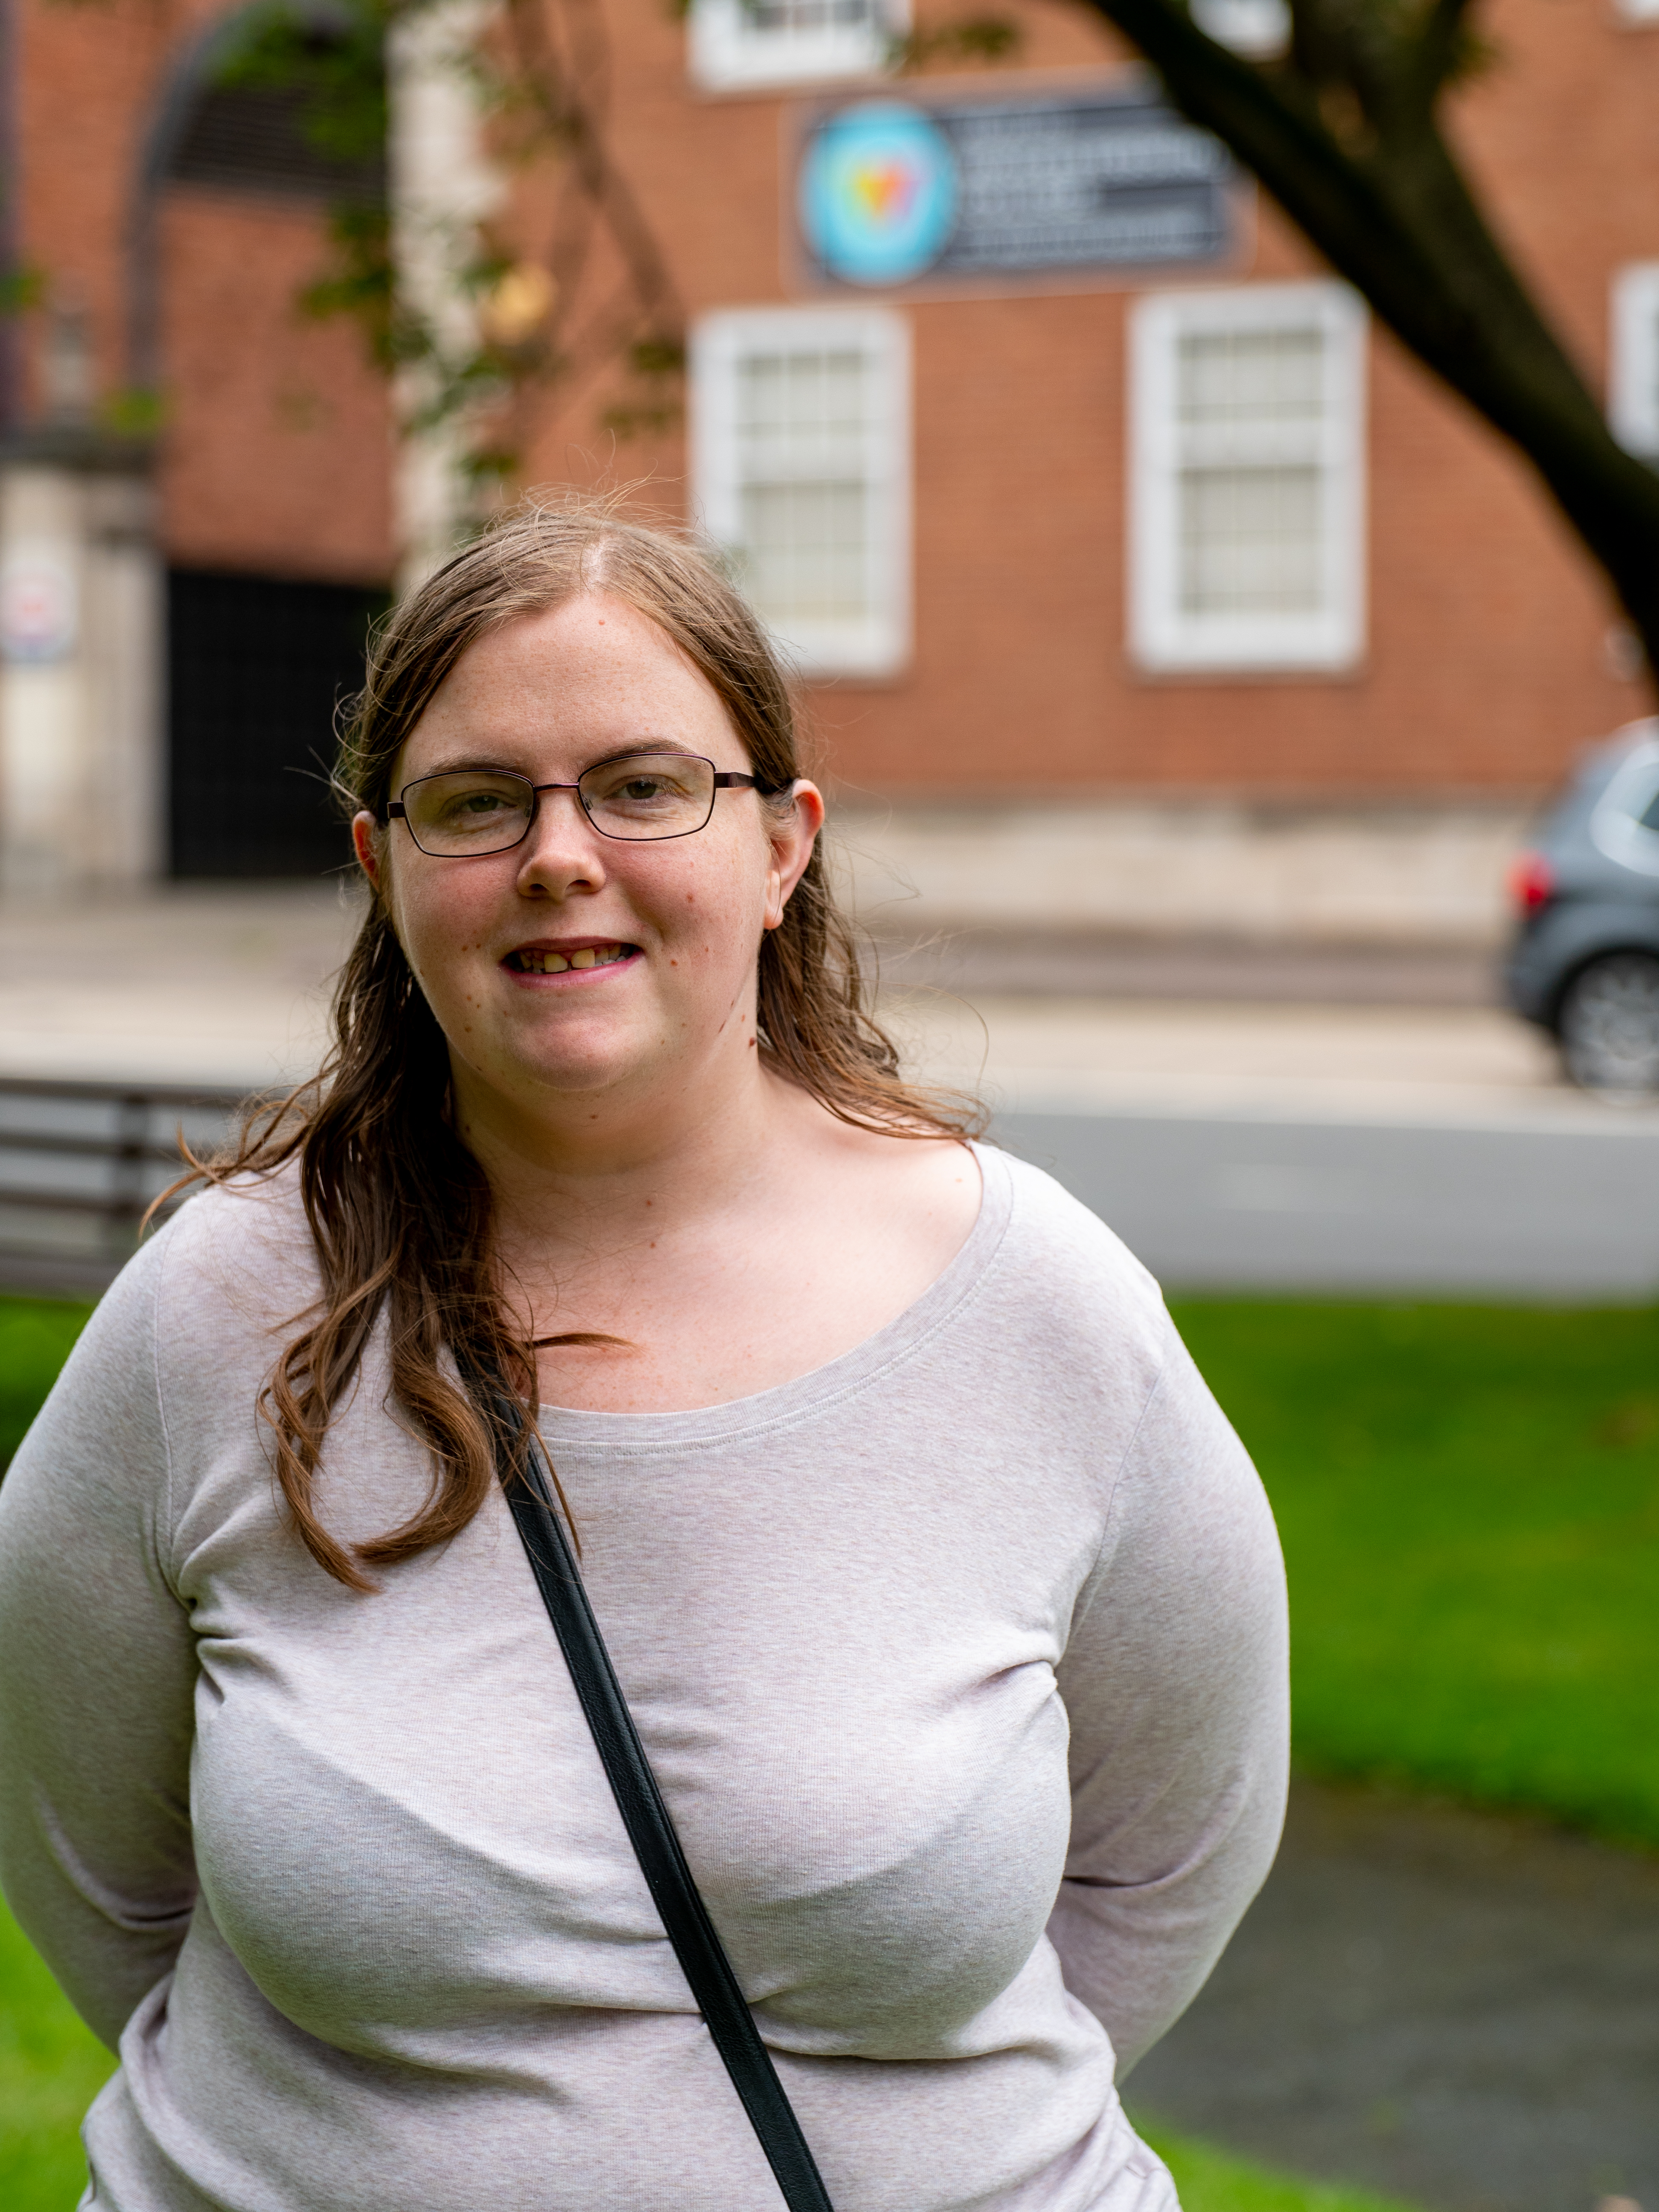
[{"x": 555, "y": 964}]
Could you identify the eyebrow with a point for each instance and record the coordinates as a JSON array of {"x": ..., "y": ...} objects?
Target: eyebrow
[{"x": 482, "y": 767}]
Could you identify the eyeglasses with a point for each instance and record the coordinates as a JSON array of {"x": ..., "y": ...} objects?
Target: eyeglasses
[{"x": 473, "y": 811}]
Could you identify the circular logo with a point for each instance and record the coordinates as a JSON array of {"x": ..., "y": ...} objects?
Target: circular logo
[{"x": 878, "y": 192}]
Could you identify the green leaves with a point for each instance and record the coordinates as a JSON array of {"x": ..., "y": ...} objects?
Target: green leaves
[
  {"x": 967, "y": 39},
  {"x": 21, "y": 289},
  {"x": 528, "y": 332},
  {"x": 337, "y": 72}
]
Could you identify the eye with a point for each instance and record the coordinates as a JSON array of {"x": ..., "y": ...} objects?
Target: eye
[{"x": 628, "y": 784}]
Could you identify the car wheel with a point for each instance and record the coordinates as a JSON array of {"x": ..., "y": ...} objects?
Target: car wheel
[{"x": 1609, "y": 1023}]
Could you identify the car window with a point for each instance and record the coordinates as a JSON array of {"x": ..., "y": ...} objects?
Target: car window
[{"x": 1624, "y": 824}]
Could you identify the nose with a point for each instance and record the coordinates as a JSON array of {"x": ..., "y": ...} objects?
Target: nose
[{"x": 563, "y": 852}]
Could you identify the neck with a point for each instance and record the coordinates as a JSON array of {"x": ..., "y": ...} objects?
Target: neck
[{"x": 589, "y": 1169}]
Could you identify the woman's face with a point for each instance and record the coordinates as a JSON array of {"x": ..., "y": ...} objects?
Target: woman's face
[{"x": 671, "y": 927}]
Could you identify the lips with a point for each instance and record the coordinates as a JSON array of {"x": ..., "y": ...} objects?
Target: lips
[{"x": 546, "y": 960}]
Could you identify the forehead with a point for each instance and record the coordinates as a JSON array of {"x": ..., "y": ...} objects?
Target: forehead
[{"x": 555, "y": 690}]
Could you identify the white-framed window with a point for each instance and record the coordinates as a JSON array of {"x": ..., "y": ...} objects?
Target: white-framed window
[
  {"x": 800, "y": 453},
  {"x": 737, "y": 44},
  {"x": 1633, "y": 358},
  {"x": 1246, "y": 476}
]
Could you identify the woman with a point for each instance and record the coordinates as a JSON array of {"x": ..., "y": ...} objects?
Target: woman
[{"x": 894, "y": 1484}]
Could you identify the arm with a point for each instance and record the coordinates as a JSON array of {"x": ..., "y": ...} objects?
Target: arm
[
  {"x": 97, "y": 1673},
  {"x": 1175, "y": 1681}
]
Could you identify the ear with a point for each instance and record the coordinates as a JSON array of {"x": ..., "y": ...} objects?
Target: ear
[
  {"x": 792, "y": 835},
  {"x": 365, "y": 843}
]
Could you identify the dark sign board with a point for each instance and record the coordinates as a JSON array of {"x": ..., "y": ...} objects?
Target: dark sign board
[{"x": 891, "y": 193}]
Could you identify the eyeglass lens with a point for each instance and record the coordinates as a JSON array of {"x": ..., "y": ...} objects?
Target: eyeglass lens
[{"x": 486, "y": 810}]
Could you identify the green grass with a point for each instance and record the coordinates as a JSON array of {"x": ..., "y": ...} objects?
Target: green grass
[
  {"x": 1469, "y": 1503},
  {"x": 51, "y": 2069},
  {"x": 1211, "y": 2180},
  {"x": 51, "y": 2066},
  {"x": 35, "y": 1336}
]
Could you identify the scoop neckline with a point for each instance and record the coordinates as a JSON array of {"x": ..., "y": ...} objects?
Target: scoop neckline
[{"x": 561, "y": 1426}]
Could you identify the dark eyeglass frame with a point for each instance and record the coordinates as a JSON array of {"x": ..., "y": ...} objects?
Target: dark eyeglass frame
[{"x": 724, "y": 780}]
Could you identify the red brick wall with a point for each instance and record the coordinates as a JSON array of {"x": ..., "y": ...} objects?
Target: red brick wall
[
  {"x": 280, "y": 462},
  {"x": 275, "y": 457},
  {"x": 1487, "y": 661},
  {"x": 85, "y": 76},
  {"x": 1487, "y": 665}
]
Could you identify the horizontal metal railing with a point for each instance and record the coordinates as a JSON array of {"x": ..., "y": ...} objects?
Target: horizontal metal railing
[{"x": 81, "y": 1163}]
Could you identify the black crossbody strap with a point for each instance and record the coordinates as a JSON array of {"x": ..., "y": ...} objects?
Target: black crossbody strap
[{"x": 651, "y": 1830}]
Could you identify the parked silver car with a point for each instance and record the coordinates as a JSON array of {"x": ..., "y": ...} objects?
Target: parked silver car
[{"x": 1584, "y": 960}]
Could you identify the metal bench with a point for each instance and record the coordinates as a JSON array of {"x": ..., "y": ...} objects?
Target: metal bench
[{"x": 80, "y": 1163}]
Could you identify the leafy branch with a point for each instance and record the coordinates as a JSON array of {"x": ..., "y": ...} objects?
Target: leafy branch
[
  {"x": 597, "y": 296},
  {"x": 965, "y": 39}
]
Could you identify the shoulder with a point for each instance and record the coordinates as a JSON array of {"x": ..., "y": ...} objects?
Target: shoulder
[
  {"x": 1062, "y": 1261},
  {"x": 1045, "y": 1329},
  {"x": 252, "y": 1220},
  {"x": 1114, "y": 1363},
  {"x": 197, "y": 1307},
  {"x": 233, "y": 1265}
]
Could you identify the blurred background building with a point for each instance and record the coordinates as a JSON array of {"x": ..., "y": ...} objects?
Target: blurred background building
[{"x": 1140, "y": 584}]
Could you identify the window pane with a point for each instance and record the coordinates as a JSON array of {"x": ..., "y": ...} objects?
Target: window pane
[
  {"x": 805, "y": 552},
  {"x": 802, "y": 442},
  {"x": 1247, "y": 376},
  {"x": 801, "y": 414},
  {"x": 806, "y": 15},
  {"x": 1251, "y": 541}
]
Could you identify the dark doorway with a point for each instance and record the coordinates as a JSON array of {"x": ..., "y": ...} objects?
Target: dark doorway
[{"x": 255, "y": 669}]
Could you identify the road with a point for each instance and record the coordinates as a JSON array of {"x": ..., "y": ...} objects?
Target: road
[
  {"x": 1566, "y": 1208},
  {"x": 1296, "y": 1143}
]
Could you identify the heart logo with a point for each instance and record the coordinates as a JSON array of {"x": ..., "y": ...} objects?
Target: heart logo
[{"x": 885, "y": 190}]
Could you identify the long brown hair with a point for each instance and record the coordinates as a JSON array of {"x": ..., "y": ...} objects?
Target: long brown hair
[{"x": 400, "y": 1211}]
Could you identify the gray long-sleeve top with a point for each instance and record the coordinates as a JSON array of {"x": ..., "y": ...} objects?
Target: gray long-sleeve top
[{"x": 961, "y": 1661}]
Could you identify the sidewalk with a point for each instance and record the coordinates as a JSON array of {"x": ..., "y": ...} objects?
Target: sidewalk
[
  {"x": 1457, "y": 1065},
  {"x": 1452, "y": 2007},
  {"x": 184, "y": 984},
  {"x": 205, "y": 984}
]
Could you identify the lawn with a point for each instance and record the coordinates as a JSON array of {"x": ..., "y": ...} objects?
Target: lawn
[
  {"x": 50, "y": 2068},
  {"x": 1213, "y": 2180},
  {"x": 1469, "y": 1501},
  {"x": 35, "y": 1336}
]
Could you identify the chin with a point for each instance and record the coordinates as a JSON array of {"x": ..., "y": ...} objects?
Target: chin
[{"x": 571, "y": 1063}]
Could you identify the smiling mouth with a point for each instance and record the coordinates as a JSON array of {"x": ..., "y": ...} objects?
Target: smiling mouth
[{"x": 532, "y": 960}]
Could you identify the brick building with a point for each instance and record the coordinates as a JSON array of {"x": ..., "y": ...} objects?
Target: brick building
[{"x": 1136, "y": 578}]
